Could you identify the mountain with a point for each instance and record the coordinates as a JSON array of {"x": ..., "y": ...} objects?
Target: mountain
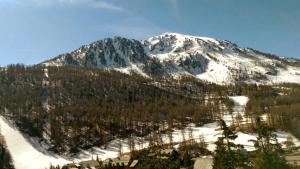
[
  {"x": 58, "y": 113},
  {"x": 176, "y": 55}
]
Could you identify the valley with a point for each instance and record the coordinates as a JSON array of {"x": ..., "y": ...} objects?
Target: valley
[{"x": 118, "y": 95}]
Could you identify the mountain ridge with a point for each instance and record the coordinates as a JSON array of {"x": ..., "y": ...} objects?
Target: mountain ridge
[{"x": 175, "y": 55}]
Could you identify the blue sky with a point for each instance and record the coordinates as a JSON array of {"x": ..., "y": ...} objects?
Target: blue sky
[{"x": 34, "y": 30}]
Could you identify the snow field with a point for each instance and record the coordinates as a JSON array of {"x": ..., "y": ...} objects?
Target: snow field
[{"x": 28, "y": 154}]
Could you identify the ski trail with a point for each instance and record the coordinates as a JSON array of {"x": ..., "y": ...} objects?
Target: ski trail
[
  {"x": 27, "y": 154},
  {"x": 24, "y": 154}
]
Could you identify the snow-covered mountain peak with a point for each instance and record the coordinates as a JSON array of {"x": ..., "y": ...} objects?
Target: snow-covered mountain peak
[
  {"x": 175, "y": 55},
  {"x": 180, "y": 36},
  {"x": 178, "y": 40}
]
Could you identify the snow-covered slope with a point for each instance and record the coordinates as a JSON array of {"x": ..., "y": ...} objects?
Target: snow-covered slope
[
  {"x": 174, "y": 55},
  {"x": 24, "y": 154},
  {"x": 31, "y": 155}
]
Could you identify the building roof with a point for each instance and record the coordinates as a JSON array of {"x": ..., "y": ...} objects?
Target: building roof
[
  {"x": 72, "y": 166},
  {"x": 166, "y": 151},
  {"x": 121, "y": 160},
  {"x": 90, "y": 163},
  {"x": 134, "y": 163},
  {"x": 292, "y": 158},
  {"x": 203, "y": 163}
]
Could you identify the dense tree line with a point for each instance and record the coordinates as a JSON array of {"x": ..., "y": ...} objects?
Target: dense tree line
[
  {"x": 266, "y": 156},
  {"x": 21, "y": 97},
  {"x": 280, "y": 104},
  {"x": 5, "y": 158},
  {"x": 80, "y": 108}
]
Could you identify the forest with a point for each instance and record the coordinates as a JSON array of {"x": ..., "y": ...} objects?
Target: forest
[
  {"x": 76, "y": 108},
  {"x": 79, "y": 108},
  {"x": 5, "y": 158}
]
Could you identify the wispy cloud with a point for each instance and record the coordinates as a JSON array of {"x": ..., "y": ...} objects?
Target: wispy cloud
[
  {"x": 174, "y": 4},
  {"x": 132, "y": 27},
  {"x": 101, "y": 4},
  {"x": 174, "y": 7}
]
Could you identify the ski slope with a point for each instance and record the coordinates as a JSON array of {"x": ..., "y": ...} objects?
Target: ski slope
[
  {"x": 24, "y": 154},
  {"x": 29, "y": 154}
]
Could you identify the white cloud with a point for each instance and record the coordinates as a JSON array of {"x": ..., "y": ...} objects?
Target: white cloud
[
  {"x": 174, "y": 7},
  {"x": 132, "y": 27},
  {"x": 174, "y": 4},
  {"x": 101, "y": 4}
]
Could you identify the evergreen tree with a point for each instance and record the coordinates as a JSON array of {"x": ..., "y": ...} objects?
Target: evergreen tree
[
  {"x": 186, "y": 159},
  {"x": 267, "y": 149},
  {"x": 174, "y": 155},
  {"x": 290, "y": 145},
  {"x": 227, "y": 154}
]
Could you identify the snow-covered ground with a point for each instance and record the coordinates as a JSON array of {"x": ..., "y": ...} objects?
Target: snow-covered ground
[
  {"x": 223, "y": 60},
  {"x": 217, "y": 61},
  {"x": 24, "y": 154},
  {"x": 29, "y": 154},
  {"x": 238, "y": 110}
]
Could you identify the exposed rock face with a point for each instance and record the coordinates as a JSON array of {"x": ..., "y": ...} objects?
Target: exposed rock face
[{"x": 175, "y": 55}]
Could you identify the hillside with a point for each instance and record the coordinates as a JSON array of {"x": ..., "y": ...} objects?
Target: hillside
[
  {"x": 84, "y": 102},
  {"x": 175, "y": 55}
]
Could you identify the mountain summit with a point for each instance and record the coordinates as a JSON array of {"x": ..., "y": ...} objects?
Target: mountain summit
[{"x": 175, "y": 55}]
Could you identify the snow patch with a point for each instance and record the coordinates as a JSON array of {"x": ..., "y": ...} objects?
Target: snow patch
[{"x": 24, "y": 151}]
